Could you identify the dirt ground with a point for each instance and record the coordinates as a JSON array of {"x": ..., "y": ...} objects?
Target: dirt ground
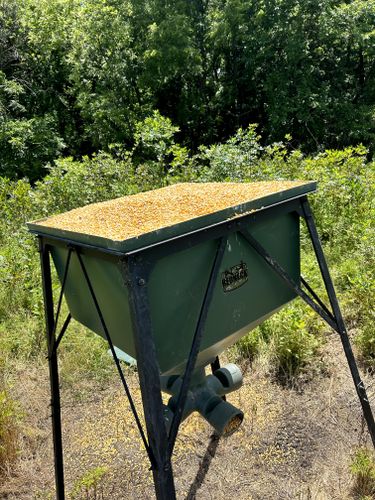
[{"x": 294, "y": 443}]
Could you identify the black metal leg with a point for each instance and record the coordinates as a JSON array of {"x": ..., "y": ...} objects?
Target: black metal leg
[
  {"x": 360, "y": 388},
  {"x": 53, "y": 369},
  {"x": 149, "y": 378},
  {"x": 215, "y": 365},
  {"x": 335, "y": 320}
]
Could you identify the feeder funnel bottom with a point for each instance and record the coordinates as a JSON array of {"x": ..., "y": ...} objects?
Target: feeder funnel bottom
[{"x": 205, "y": 396}]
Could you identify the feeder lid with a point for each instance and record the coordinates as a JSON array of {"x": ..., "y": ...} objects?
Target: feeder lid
[{"x": 130, "y": 222}]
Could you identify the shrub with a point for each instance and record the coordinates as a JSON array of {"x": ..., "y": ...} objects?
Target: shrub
[
  {"x": 26, "y": 145},
  {"x": 290, "y": 340},
  {"x": 157, "y": 158},
  {"x": 234, "y": 160},
  {"x": 70, "y": 184}
]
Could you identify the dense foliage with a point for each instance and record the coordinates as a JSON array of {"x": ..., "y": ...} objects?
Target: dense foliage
[
  {"x": 76, "y": 77},
  {"x": 344, "y": 206}
]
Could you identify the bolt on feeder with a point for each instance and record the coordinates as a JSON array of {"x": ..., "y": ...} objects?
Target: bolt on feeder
[{"x": 173, "y": 277}]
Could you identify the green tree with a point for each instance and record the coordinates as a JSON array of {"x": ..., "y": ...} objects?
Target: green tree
[
  {"x": 29, "y": 125},
  {"x": 104, "y": 72}
]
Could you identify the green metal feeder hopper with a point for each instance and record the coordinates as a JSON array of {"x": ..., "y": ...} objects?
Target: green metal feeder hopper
[{"x": 173, "y": 277}]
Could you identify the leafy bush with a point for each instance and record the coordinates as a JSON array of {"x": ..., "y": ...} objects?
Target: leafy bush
[
  {"x": 289, "y": 340},
  {"x": 70, "y": 184},
  {"x": 153, "y": 138},
  {"x": 344, "y": 203},
  {"x": 27, "y": 145},
  {"x": 235, "y": 160},
  {"x": 19, "y": 271}
]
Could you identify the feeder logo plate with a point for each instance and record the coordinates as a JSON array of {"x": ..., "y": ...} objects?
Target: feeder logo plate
[{"x": 234, "y": 277}]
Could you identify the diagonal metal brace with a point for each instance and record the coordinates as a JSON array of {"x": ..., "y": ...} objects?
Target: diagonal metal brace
[
  {"x": 317, "y": 298},
  {"x": 196, "y": 343},
  {"x": 115, "y": 357},
  {"x": 62, "y": 332},
  {"x": 53, "y": 344},
  {"x": 288, "y": 280},
  {"x": 335, "y": 321}
]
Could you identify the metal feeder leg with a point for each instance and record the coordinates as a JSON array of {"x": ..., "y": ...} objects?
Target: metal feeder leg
[
  {"x": 149, "y": 380},
  {"x": 53, "y": 369},
  {"x": 341, "y": 328}
]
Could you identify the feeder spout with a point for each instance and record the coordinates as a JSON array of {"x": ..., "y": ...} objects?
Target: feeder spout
[
  {"x": 224, "y": 417},
  {"x": 205, "y": 396}
]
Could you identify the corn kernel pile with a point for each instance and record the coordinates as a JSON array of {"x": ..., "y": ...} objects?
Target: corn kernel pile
[{"x": 130, "y": 216}]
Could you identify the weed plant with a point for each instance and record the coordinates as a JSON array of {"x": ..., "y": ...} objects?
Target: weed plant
[
  {"x": 362, "y": 468},
  {"x": 89, "y": 485}
]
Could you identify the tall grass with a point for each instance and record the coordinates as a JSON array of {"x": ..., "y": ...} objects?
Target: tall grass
[
  {"x": 9, "y": 431},
  {"x": 362, "y": 468}
]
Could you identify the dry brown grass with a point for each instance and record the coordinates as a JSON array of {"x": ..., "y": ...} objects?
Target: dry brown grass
[{"x": 291, "y": 445}]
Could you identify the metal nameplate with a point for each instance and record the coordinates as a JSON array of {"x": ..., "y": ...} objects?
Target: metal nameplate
[{"x": 234, "y": 277}]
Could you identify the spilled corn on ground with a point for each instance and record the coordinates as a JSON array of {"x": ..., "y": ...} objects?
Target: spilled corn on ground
[
  {"x": 130, "y": 216},
  {"x": 111, "y": 439}
]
